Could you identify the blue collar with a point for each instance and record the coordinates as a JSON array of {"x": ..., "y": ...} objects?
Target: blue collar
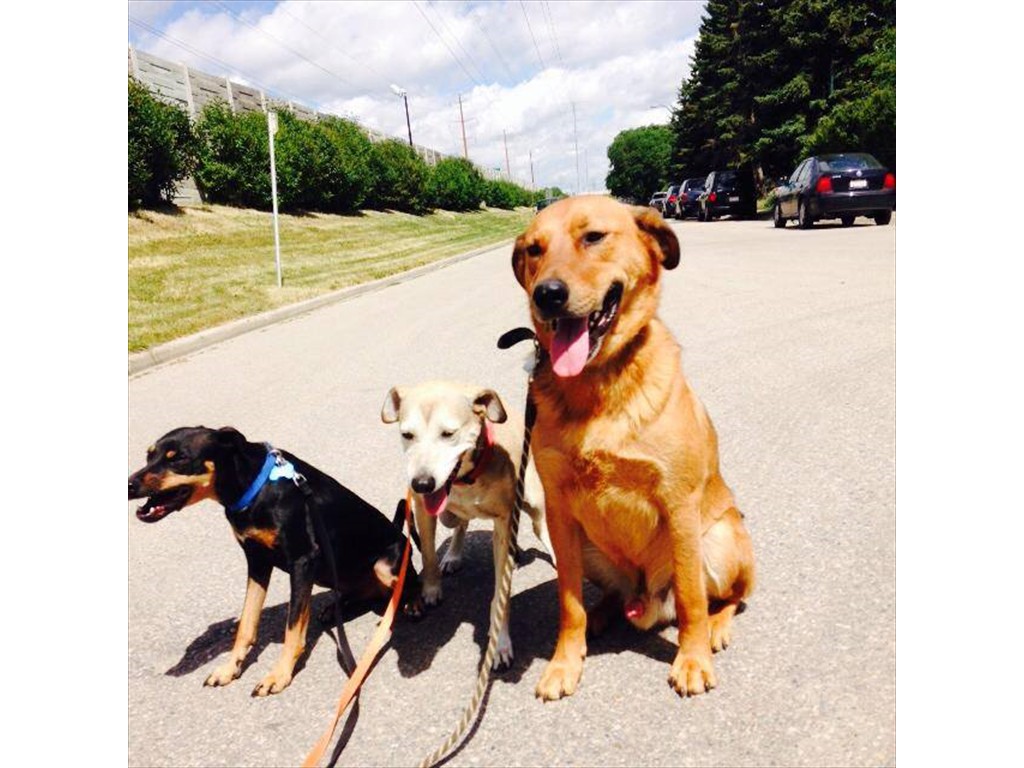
[{"x": 258, "y": 483}]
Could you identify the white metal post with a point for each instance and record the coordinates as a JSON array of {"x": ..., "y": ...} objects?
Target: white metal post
[{"x": 271, "y": 130}]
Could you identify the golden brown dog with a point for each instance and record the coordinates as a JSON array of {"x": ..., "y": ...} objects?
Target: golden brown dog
[{"x": 625, "y": 451}]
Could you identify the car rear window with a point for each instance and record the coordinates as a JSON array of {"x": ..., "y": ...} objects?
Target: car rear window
[
  {"x": 695, "y": 183},
  {"x": 854, "y": 162},
  {"x": 726, "y": 177}
]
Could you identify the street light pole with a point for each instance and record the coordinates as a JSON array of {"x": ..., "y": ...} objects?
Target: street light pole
[{"x": 399, "y": 91}]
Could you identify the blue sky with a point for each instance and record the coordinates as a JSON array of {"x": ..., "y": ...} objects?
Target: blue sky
[{"x": 519, "y": 67}]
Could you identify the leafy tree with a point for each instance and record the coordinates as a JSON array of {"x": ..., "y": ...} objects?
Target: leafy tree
[
  {"x": 456, "y": 185},
  {"x": 639, "y": 160},
  {"x": 162, "y": 148}
]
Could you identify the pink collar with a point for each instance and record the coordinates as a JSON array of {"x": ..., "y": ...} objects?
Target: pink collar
[{"x": 481, "y": 456}]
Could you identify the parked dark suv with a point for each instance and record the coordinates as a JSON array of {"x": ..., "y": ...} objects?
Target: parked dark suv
[{"x": 728, "y": 193}]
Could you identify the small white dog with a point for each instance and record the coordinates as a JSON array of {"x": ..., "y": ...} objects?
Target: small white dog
[{"x": 462, "y": 451}]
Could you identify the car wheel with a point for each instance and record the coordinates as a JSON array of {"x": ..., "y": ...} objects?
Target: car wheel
[
  {"x": 847, "y": 220},
  {"x": 803, "y": 217},
  {"x": 777, "y": 217},
  {"x": 883, "y": 218}
]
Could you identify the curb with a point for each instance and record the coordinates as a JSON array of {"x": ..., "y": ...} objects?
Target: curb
[{"x": 174, "y": 350}]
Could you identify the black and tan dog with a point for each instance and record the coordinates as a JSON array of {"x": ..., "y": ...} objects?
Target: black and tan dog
[{"x": 284, "y": 513}]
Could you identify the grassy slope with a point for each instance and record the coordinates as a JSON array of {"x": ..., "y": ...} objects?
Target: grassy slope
[{"x": 203, "y": 266}]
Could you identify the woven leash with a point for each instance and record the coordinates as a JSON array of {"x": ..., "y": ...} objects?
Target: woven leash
[
  {"x": 499, "y": 608},
  {"x": 377, "y": 642}
]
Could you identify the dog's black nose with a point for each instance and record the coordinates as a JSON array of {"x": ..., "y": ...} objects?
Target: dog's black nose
[
  {"x": 550, "y": 296},
  {"x": 133, "y": 487},
  {"x": 423, "y": 483}
]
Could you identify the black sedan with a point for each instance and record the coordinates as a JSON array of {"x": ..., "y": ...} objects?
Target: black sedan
[
  {"x": 728, "y": 193},
  {"x": 841, "y": 186}
]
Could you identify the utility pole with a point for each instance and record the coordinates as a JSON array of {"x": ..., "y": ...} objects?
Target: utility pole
[
  {"x": 462, "y": 119},
  {"x": 533, "y": 184},
  {"x": 508, "y": 170},
  {"x": 576, "y": 143}
]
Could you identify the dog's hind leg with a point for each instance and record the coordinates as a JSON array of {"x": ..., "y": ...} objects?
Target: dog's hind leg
[
  {"x": 248, "y": 623},
  {"x": 280, "y": 676},
  {"x": 452, "y": 560},
  {"x": 729, "y": 573}
]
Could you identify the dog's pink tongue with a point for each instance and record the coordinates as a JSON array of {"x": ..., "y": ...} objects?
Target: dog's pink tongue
[
  {"x": 570, "y": 346},
  {"x": 436, "y": 502}
]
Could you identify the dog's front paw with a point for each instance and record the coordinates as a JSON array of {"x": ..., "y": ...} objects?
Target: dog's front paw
[
  {"x": 275, "y": 682},
  {"x": 432, "y": 594},
  {"x": 450, "y": 563},
  {"x": 692, "y": 674},
  {"x": 224, "y": 674},
  {"x": 560, "y": 678}
]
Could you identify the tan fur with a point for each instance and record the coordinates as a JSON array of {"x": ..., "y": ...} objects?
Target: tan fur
[{"x": 626, "y": 453}]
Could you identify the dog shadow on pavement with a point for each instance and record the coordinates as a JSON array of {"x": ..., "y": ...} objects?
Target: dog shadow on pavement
[
  {"x": 467, "y": 599},
  {"x": 534, "y": 622},
  {"x": 219, "y": 637}
]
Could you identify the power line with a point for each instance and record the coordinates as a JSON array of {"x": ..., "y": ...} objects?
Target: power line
[
  {"x": 445, "y": 43},
  {"x": 494, "y": 47},
  {"x": 203, "y": 55},
  {"x": 385, "y": 81},
  {"x": 551, "y": 27},
  {"x": 458, "y": 42},
  {"x": 287, "y": 47},
  {"x": 522, "y": 5}
]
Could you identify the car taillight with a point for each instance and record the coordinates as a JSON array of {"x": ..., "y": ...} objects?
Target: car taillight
[
  {"x": 672, "y": 199},
  {"x": 712, "y": 197},
  {"x": 890, "y": 181},
  {"x": 824, "y": 184}
]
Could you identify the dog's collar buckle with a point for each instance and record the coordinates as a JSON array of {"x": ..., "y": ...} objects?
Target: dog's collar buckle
[{"x": 275, "y": 467}]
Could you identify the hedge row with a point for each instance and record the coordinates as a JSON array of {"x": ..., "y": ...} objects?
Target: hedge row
[{"x": 329, "y": 166}]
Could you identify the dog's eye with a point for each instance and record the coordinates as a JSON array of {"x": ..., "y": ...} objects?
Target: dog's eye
[
  {"x": 407, "y": 435},
  {"x": 448, "y": 434},
  {"x": 593, "y": 237},
  {"x": 534, "y": 249}
]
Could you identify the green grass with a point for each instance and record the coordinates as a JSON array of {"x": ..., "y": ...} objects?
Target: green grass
[{"x": 198, "y": 267}]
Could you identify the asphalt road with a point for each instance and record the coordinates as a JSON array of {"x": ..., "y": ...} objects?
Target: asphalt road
[{"x": 788, "y": 337}]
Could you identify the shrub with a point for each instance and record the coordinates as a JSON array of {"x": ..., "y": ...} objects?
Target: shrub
[
  {"x": 455, "y": 185},
  {"x": 354, "y": 184},
  {"x": 400, "y": 177},
  {"x": 234, "y": 159},
  {"x": 162, "y": 147},
  {"x": 505, "y": 194}
]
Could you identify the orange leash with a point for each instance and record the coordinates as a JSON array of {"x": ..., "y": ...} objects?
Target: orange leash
[{"x": 380, "y": 637}]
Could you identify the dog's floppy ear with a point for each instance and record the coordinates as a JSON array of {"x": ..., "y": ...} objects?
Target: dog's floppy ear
[
  {"x": 652, "y": 224},
  {"x": 487, "y": 403},
  {"x": 392, "y": 402},
  {"x": 519, "y": 260}
]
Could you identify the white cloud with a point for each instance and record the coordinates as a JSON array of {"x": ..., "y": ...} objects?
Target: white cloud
[{"x": 614, "y": 60}]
